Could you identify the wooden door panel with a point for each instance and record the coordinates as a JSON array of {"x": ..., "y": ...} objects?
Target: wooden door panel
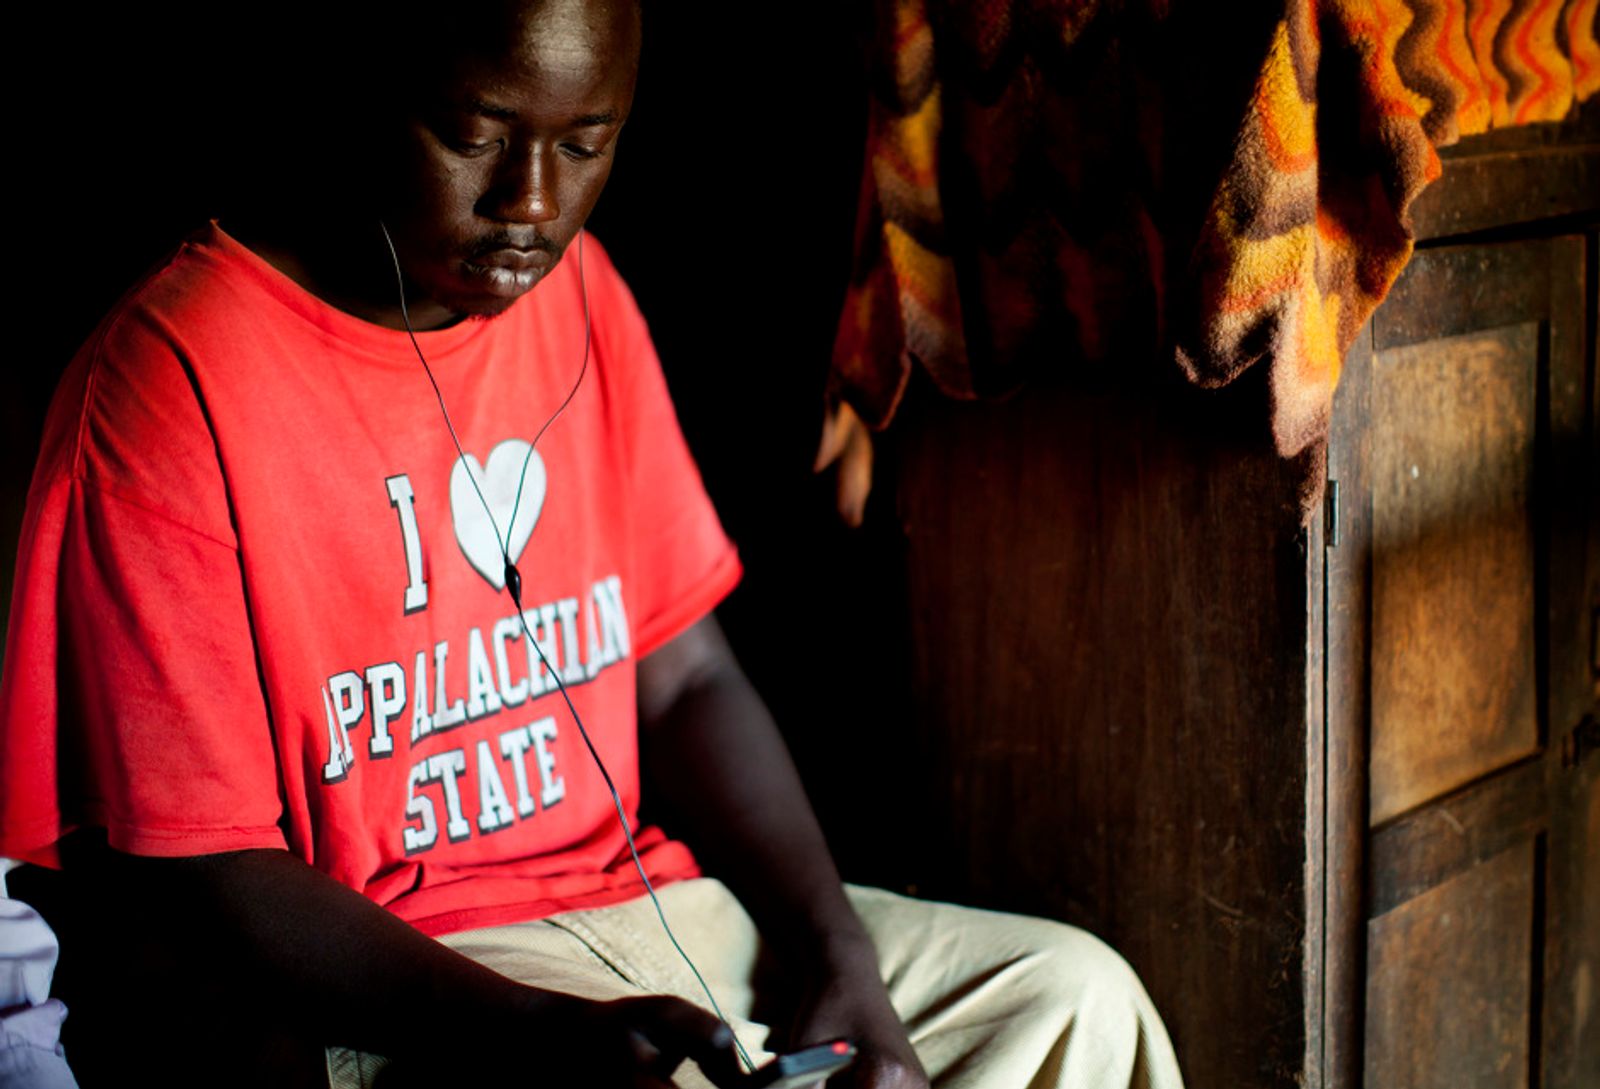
[
  {"x": 1451, "y": 983},
  {"x": 1435, "y": 843},
  {"x": 1460, "y": 608},
  {"x": 1453, "y": 670}
]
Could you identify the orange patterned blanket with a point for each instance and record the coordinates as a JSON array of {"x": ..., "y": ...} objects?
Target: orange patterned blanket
[{"x": 1051, "y": 183}]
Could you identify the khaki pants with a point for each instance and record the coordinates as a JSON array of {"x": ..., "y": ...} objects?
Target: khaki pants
[{"x": 992, "y": 1001}]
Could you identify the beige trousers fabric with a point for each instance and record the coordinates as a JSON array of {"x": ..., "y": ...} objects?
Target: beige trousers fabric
[{"x": 992, "y": 1001}]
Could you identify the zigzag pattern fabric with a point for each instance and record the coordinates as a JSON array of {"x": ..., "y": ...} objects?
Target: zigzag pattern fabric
[{"x": 1051, "y": 182}]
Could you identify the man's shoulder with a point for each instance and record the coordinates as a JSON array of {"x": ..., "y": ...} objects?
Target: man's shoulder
[
  {"x": 127, "y": 418},
  {"x": 141, "y": 353},
  {"x": 201, "y": 283}
]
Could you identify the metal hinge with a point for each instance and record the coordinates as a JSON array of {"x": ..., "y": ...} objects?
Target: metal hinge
[
  {"x": 1583, "y": 740},
  {"x": 1594, "y": 643},
  {"x": 1330, "y": 515}
]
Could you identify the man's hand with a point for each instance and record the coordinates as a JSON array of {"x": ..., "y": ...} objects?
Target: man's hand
[
  {"x": 628, "y": 1043},
  {"x": 636, "y": 1043},
  {"x": 849, "y": 1002}
]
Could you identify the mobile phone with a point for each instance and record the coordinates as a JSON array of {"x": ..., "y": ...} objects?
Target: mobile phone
[{"x": 803, "y": 1068}]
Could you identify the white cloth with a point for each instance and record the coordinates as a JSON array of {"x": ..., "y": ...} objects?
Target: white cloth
[{"x": 31, "y": 1055}]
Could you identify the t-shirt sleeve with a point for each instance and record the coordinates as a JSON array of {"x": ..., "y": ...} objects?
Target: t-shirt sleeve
[
  {"x": 132, "y": 699},
  {"x": 684, "y": 564},
  {"x": 172, "y": 726}
]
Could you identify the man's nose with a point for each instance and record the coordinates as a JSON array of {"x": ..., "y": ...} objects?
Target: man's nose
[{"x": 524, "y": 190}]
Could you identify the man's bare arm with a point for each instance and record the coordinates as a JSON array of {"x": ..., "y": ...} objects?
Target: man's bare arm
[
  {"x": 350, "y": 973},
  {"x": 713, "y": 754}
]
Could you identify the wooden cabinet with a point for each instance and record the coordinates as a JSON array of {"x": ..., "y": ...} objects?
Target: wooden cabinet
[
  {"x": 1332, "y": 788},
  {"x": 1460, "y": 611}
]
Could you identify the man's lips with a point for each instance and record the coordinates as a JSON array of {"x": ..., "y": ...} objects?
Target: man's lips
[
  {"x": 514, "y": 258},
  {"x": 509, "y": 271}
]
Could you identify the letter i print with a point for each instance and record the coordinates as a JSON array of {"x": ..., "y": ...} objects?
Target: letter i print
[{"x": 403, "y": 501}]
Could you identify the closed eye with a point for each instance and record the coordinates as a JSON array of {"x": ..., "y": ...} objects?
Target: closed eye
[
  {"x": 474, "y": 148},
  {"x": 470, "y": 135}
]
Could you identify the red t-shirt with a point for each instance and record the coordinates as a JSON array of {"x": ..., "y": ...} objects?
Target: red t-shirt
[{"x": 258, "y": 603}]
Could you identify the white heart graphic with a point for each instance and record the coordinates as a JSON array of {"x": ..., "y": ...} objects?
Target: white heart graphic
[{"x": 498, "y": 481}]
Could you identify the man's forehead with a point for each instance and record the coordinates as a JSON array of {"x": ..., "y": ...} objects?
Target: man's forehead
[
  {"x": 463, "y": 56},
  {"x": 472, "y": 103},
  {"x": 546, "y": 33}
]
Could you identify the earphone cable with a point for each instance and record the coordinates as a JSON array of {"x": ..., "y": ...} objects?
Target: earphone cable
[
  {"x": 622, "y": 819},
  {"x": 583, "y": 368},
  {"x": 405, "y": 315},
  {"x": 513, "y": 582}
]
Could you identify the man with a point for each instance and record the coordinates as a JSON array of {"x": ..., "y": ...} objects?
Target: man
[{"x": 267, "y": 601}]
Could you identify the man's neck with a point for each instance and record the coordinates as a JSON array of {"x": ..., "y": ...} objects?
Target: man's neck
[{"x": 347, "y": 265}]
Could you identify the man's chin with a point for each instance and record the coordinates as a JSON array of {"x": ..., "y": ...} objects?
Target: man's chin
[
  {"x": 493, "y": 308},
  {"x": 476, "y": 302},
  {"x": 477, "y": 307}
]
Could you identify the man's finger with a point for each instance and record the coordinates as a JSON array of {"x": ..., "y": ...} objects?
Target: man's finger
[
  {"x": 680, "y": 1029},
  {"x": 645, "y": 1054}
]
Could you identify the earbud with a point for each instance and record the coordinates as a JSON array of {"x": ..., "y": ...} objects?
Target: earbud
[{"x": 514, "y": 583}]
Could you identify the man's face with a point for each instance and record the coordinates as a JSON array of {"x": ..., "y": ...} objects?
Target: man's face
[{"x": 506, "y": 149}]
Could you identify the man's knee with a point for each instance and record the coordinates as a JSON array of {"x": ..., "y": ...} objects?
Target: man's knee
[{"x": 1075, "y": 973}]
